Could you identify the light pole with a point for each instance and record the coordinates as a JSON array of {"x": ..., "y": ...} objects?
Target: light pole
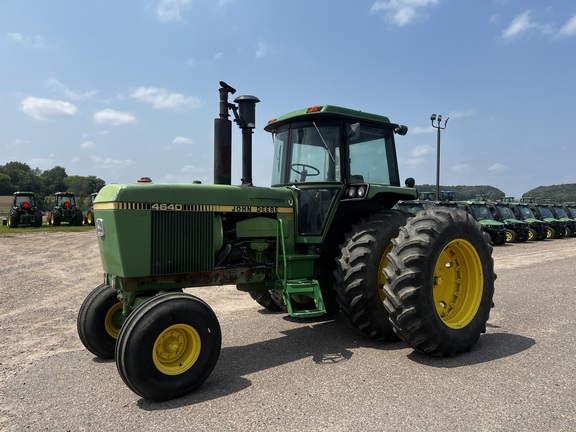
[{"x": 439, "y": 127}]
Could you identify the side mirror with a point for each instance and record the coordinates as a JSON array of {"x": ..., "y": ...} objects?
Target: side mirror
[
  {"x": 401, "y": 130},
  {"x": 410, "y": 182},
  {"x": 354, "y": 131}
]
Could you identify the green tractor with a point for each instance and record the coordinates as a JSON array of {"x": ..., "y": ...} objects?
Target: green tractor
[
  {"x": 65, "y": 210},
  {"x": 539, "y": 230},
  {"x": 89, "y": 216},
  {"x": 516, "y": 230},
  {"x": 322, "y": 238},
  {"x": 24, "y": 211}
]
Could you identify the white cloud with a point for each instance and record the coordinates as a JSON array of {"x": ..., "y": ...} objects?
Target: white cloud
[
  {"x": 163, "y": 99},
  {"x": 419, "y": 130},
  {"x": 521, "y": 24},
  {"x": 193, "y": 169},
  {"x": 47, "y": 109},
  {"x": 402, "y": 12},
  {"x": 569, "y": 28},
  {"x": 100, "y": 162},
  {"x": 454, "y": 115},
  {"x": 114, "y": 118},
  {"x": 74, "y": 95},
  {"x": 461, "y": 168},
  {"x": 181, "y": 140},
  {"x": 261, "y": 49},
  {"x": 171, "y": 10},
  {"x": 43, "y": 163},
  {"x": 88, "y": 144},
  {"x": 497, "y": 169},
  {"x": 419, "y": 155},
  {"x": 36, "y": 41}
]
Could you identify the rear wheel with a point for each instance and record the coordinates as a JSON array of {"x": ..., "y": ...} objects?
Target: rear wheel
[
  {"x": 13, "y": 219},
  {"x": 56, "y": 218},
  {"x": 359, "y": 275},
  {"x": 440, "y": 282},
  {"x": 532, "y": 234},
  {"x": 99, "y": 321},
  {"x": 168, "y": 346},
  {"x": 37, "y": 219},
  {"x": 90, "y": 218}
]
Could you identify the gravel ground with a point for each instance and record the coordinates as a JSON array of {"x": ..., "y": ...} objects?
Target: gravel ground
[{"x": 280, "y": 374}]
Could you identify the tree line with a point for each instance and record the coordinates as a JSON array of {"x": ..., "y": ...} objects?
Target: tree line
[{"x": 18, "y": 176}]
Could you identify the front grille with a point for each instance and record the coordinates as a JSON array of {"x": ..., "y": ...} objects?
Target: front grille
[{"x": 181, "y": 242}]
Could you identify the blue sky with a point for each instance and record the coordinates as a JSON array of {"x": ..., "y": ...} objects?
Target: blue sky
[{"x": 125, "y": 89}]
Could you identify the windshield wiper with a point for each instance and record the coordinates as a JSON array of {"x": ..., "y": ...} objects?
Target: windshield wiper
[{"x": 324, "y": 142}]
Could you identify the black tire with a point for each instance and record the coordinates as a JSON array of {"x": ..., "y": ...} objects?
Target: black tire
[
  {"x": 359, "y": 278},
  {"x": 13, "y": 219},
  {"x": 264, "y": 299},
  {"x": 99, "y": 321},
  {"x": 168, "y": 346},
  {"x": 440, "y": 264},
  {"x": 56, "y": 218},
  {"x": 511, "y": 236},
  {"x": 77, "y": 218},
  {"x": 532, "y": 234},
  {"x": 37, "y": 219}
]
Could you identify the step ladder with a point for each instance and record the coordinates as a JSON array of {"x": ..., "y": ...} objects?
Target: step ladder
[{"x": 294, "y": 279}]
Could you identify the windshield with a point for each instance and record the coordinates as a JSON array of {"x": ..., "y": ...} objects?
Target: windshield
[
  {"x": 481, "y": 211},
  {"x": 506, "y": 212},
  {"x": 572, "y": 211},
  {"x": 560, "y": 212},
  {"x": 20, "y": 200},
  {"x": 65, "y": 201},
  {"x": 526, "y": 212},
  {"x": 545, "y": 212},
  {"x": 311, "y": 152}
]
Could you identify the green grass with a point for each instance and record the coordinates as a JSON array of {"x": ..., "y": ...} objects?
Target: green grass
[{"x": 5, "y": 229}]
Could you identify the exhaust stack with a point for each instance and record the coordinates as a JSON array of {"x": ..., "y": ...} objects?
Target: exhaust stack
[
  {"x": 247, "y": 122},
  {"x": 223, "y": 139}
]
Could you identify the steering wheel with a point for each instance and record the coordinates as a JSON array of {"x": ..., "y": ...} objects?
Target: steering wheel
[{"x": 304, "y": 172}]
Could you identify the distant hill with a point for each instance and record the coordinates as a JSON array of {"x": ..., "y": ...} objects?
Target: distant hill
[{"x": 556, "y": 193}]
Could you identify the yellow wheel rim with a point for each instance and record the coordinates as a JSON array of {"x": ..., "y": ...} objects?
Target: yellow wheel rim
[
  {"x": 381, "y": 277},
  {"x": 508, "y": 236},
  {"x": 89, "y": 218},
  {"x": 458, "y": 284},
  {"x": 112, "y": 321},
  {"x": 530, "y": 235},
  {"x": 176, "y": 349}
]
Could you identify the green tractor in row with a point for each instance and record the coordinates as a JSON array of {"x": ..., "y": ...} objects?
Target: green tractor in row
[
  {"x": 65, "y": 210},
  {"x": 24, "y": 211},
  {"x": 322, "y": 239}
]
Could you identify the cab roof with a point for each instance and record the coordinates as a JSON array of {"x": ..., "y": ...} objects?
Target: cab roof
[{"x": 326, "y": 111}]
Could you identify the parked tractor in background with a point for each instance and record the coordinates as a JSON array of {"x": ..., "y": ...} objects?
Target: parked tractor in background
[
  {"x": 494, "y": 231},
  {"x": 322, "y": 237},
  {"x": 65, "y": 210},
  {"x": 89, "y": 216},
  {"x": 516, "y": 230},
  {"x": 556, "y": 228},
  {"x": 539, "y": 230},
  {"x": 561, "y": 213},
  {"x": 24, "y": 211}
]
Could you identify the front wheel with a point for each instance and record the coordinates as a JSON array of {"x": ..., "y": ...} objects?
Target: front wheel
[
  {"x": 440, "y": 282},
  {"x": 99, "y": 321},
  {"x": 168, "y": 346}
]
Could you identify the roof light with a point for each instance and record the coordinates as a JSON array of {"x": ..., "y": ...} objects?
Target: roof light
[
  {"x": 314, "y": 109},
  {"x": 272, "y": 121}
]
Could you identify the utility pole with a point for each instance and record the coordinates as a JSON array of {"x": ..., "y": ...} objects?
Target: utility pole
[{"x": 439, "y": 127}]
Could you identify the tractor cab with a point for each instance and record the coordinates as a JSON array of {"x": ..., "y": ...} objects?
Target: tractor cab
[
  {"x": 24, "y": 200},
  {"x": 337, "y": 161}
]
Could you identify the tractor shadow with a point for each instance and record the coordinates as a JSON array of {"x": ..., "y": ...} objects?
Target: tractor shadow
[{"x": 326, "y": 342}]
